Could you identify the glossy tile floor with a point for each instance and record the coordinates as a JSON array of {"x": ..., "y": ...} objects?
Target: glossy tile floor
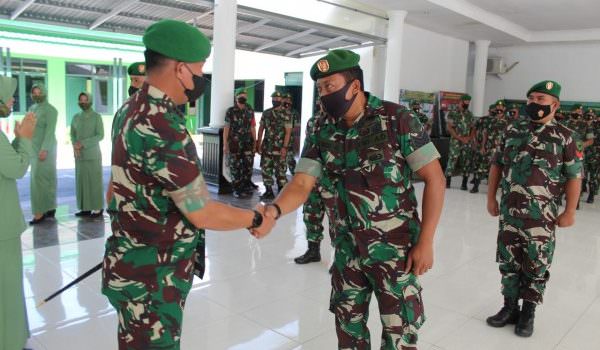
[{"x": 255, "y": 297}]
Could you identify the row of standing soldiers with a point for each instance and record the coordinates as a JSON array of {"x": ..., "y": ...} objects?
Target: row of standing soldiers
[
  {"x": 473, "y": 141},
  {"x": 274, "y": 143}
]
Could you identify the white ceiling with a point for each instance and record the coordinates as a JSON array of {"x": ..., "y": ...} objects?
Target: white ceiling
[{"x": 506, "y": 22}]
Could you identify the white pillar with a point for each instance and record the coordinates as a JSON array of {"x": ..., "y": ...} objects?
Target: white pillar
[
  {"x": 378, "y": 71},
  {"x": 393, "y": 62},
  {"x": 479, "y": 74},
  {"x": 224, "y": 33}
]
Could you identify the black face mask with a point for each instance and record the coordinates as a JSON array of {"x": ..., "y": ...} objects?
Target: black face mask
[
  {"x": 416, "y": 109},
  {"x": 536, "y": 111},
  {"x": 512, "y": 113},
  {"x": 287, "y": 105},
  {"x": 465, "y": 106},
  {"x": 242, "y": 100},
  {"x": 276, "y": 104},
  {"x": 132, "y": 90},
  {"x": 335, "y": 104},
  {"x": 198, "y": 89}
]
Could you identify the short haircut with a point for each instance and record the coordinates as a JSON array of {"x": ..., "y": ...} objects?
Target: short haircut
[
  {"x": 83, "y": 94},
  {"x": 352, "y": 74},
  {"x": 154, "y": 60}
]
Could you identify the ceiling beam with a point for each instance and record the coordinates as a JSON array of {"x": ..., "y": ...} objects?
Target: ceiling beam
[
  {"x": 315, "y": 45},
  {"x": 285, "y": 39},
  {"x": 253, "y": 26},
  {"x": 19, "y": 10},
  {"x": 115, "y": 12}
]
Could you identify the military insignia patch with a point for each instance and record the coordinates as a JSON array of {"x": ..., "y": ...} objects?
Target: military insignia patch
[
  {"x": 549, "y": 85},
  {"x": 142, "y": 68},
  {"x": 323, "y": 66}
]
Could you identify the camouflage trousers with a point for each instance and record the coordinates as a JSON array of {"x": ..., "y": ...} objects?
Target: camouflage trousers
[
  {"x": 149, "y": 297},
  {"x": 240, "y": 165},
  {"x": 271, "y": 165},
  {"x": 593, "y": 175},
  {"x": 291, "y": 161},
  {"x": 313, "y": 213},
  {"x": 480, "y": 164},
  {"x": 353, "y": 281},
  {"x": 459, "y": 157},
  {"x": 525, "y": 251}
]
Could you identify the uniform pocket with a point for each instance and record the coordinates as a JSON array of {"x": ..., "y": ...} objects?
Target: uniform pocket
[{"x": 411, "y": 309}]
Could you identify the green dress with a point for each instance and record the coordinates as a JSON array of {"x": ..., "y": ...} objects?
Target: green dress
[
  {"x": 14, "y": 161},
  {"x": 88, "y": 129},
  {"x": 43, "y": 173}
]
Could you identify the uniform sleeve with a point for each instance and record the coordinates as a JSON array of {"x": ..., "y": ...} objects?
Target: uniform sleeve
[
  {"x": 310, "y": 159},
  {"x": 288, "y": 120},
  {"x": 14, "y": 158},
  {"x": 414, "y": 142},
  {"x": 589, "y": 134},
  {"x": 572, "y": 160},
  {"x": 50, "y": 136},
  {"x": 228, "y": 117},
  {"x": 98, "y": 134},
  {"x": 172, "y": 159}
]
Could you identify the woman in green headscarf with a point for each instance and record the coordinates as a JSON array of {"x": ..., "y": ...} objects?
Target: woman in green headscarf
[
  {"x": 14, "y": 161},
  {"x": 87, "y": 131},
  {"x": 43, "y": 166}
]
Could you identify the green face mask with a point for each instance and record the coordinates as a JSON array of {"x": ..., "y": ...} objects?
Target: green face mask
[
  {"x": 84, "y": 105},
  {"x": 4, "y": 110},
  {"x": 38, "y": 98}
]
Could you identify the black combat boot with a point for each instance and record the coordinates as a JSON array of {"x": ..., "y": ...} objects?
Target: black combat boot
[
  {"x": 268, "y": 193},
  {"x": 508, "y": 314},
  {"x": 524, "y": 327},
  {"x": 475, "y": 188},
  {"x": 313, "y": 254},
  {"x": 584, "y": 186},
  {"x": 464, "y": 183},
  {"x": 448, "y": 181},
  {"x": 590, "y": 197}
]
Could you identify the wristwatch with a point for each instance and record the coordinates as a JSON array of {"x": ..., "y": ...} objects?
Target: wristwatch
[{"x": 257, "y": 220}]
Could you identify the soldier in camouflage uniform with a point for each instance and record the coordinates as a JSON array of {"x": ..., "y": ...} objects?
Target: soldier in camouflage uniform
[
  {"x": 478, "y": 166},
  {"x": 583, "y": 134},
  {"x": 513, "y": 112},
  {"x": 158, "y": 197},
  {"x": 295, "y": 116},
  {"x": 364, "y": 152},
  {"x": 137, "y": 76},
  {"x": 460, "y": 126},
  {"x": 423, "y": 118},
  {"x": 537, "y": 161},
  {"x": 276, "y": 123},
  {"x": 594, "y": 162},
  {"x": 239, "y": 141},
  {"x": 590, "y": 164},
  {"x": 494, "y": 130}
]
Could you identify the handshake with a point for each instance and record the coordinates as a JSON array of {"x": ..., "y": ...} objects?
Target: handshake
[{"x": 269, "y": 213}]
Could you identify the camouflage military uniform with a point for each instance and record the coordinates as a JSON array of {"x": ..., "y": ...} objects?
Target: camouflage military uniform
[
  {"x": 459, "y": 154},
  {"x": 365, "y": 171},
  {"x": 582, "y": 132},
  {"x": 274, "y": 122},
  {"x": 291, "y": 156},
  {"x": 593, "y": 159},
  {"x": 241, "y": 145},
  {"x": 495, "y": 132},
  {"x": 154, "y": 251},
  {"x": 313, "y": 212},
  {"x": 536, "y": 161},
  {"x": 479, "y": 165}
]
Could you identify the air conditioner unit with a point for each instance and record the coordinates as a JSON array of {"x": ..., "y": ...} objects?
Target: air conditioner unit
[{"x": 495, "y": 65}]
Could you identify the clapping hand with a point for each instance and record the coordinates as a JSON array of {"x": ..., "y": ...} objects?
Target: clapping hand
[{"x": 26, "y": 127}]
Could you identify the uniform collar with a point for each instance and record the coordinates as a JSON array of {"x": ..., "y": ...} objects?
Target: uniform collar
[{"x": 155, "y": 93}]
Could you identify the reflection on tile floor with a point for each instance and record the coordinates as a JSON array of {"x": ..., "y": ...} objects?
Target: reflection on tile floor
[{"x": 255, "y": 297}]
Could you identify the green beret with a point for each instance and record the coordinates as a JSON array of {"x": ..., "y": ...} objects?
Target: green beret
[
  {"x": 560, "y": 110},
  {"x": 334, "y": 62},
  {"x": 276, "y": 94},
  {"x": 500, "y": 102},
  {"x": 465, "y": 97},
  {"x": 240, "y": 91},
  {"x": 492, "y": 106},
  {"x": 547, "y": 87},
  {"x": 287, "y": 95},
  {"x": 137, "y": 69},
  {"x": 8, "y": 86},
  {"x": 177, "y": 40},
  {"x": 514, "y": 106},
  {"x": 577, "y": 106},
  {"x": 590, "y": 110}
]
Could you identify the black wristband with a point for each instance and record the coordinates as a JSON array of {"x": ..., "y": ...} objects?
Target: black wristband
[
  {"x": 276, "y": 208},
  {"x": 256, "y": 220}
]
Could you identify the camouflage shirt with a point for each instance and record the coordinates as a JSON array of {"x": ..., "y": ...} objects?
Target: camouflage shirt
[
  {"x": 365, "y": 172},
  {"x": 240, "y": 128},
  {"x": 461, "y": 121},
  {"x": 274, "y": 122},
  {"x": 156, "y": 179},
  {"x": 496, "y": 129},
  {"x": 536, "y": 161}
]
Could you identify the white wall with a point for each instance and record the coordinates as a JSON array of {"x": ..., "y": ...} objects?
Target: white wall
[
  {"x": 574, "y": 66},
  {"x": 433, "y": 62}
]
